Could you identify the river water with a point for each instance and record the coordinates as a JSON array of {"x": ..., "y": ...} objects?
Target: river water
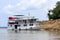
[{"x": 28, "y": 35}]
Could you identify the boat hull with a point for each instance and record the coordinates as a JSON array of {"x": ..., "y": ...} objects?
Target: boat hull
[{"x": 26, "y": 28}]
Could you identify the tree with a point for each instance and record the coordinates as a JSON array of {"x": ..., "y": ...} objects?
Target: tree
[{"x": 55, "y": 12}]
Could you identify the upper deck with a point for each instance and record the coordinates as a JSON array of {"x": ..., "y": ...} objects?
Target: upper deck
[{"x": 21, "y": 17}]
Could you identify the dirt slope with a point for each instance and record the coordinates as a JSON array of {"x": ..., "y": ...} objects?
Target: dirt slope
[{"x": 50, "y": 24}]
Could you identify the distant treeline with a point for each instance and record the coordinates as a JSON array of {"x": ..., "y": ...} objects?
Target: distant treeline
[{"x": 3, "y": 27}]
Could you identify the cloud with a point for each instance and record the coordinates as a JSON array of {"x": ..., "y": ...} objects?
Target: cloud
[
  {"x": 52, "y": 4},
  {"x": 25, "y": 5},
  {"x": 22, "y": 5},
  {"x": 7, "y": 9}
]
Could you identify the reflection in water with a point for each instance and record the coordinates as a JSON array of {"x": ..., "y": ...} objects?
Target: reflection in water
[
  {"x": 54, "y": 35},
  {"x": 33, "y": 35},
  {"x": 29, "y": 35}
]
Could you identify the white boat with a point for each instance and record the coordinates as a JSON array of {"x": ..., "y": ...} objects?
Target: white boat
[{"x": 23, "y": 22}]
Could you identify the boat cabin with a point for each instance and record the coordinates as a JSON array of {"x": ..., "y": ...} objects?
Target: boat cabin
[{"x": 19, "y": 21}]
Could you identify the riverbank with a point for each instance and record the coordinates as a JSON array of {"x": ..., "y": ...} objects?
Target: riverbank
[{"x": 49, "y": 25}]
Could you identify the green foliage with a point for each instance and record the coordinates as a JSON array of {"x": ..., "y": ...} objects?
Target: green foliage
[{"x": 55, "y": 12}]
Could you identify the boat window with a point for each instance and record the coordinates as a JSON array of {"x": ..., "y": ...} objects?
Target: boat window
[
  {"x": 32, "y": 20},
  {"x": 11, "y": 25},
  {"x": 24, "y": 21},
  {"x": 31, "y": 25},
  {"x": 18, "y": 25},
  {"x": 25, "y": 24},
  {"x": 16, "y": 22},
  {"x": 19, "y": 20},
  {"x": 11, "y": 22}
]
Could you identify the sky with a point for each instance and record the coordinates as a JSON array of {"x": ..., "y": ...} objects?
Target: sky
[{"x": 37, "y": 8}]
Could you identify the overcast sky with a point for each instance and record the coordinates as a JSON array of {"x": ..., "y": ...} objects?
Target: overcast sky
[{"x": 37, "y": 8}]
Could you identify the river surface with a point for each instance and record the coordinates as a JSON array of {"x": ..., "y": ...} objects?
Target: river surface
[{"x": 28, "y": 35}]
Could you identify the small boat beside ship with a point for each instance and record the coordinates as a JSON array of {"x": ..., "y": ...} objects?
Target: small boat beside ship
[{"x": 22, "y": 22}]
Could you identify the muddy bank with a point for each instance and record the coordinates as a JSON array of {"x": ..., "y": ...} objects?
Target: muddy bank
[{"x": 50, "y": 25}]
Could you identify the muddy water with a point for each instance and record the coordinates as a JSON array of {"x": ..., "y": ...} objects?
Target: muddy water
[{"x": 28, "y": 35}]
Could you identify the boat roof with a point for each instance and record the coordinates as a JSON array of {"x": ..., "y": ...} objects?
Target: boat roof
[{"x": 18, "y": 15}]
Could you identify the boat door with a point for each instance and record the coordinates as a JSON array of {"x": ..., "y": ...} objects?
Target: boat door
[{"x": 16, "y": 26}]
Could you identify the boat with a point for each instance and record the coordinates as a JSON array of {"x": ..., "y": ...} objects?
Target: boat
[{"x": 22, "y": 22}]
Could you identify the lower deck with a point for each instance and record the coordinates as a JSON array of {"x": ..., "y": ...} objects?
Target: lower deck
[{"x": 24, "y": 27}]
